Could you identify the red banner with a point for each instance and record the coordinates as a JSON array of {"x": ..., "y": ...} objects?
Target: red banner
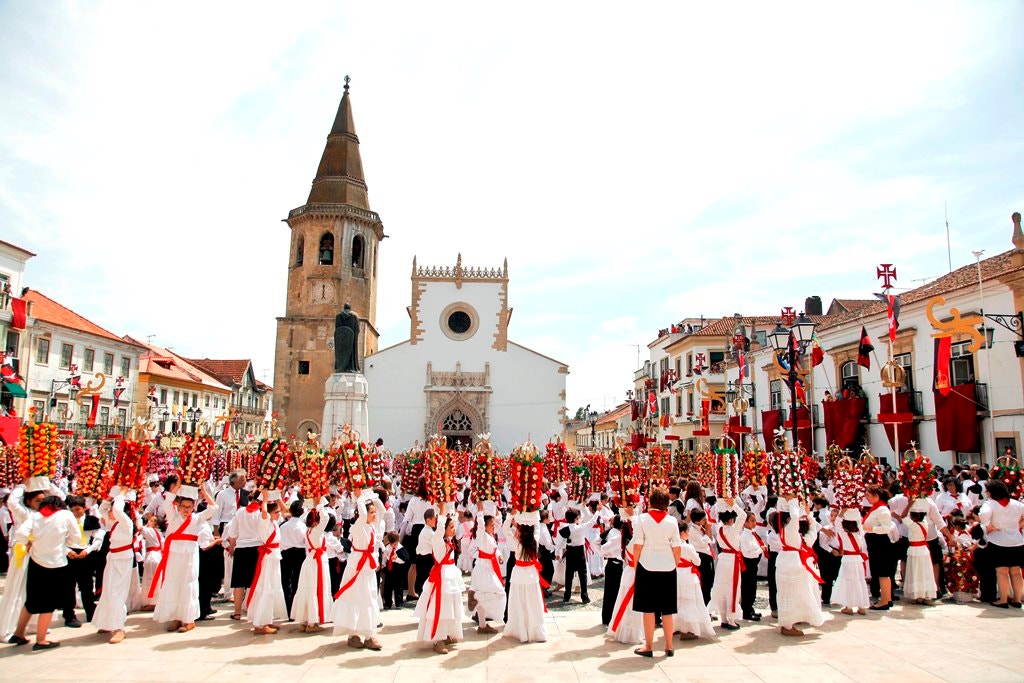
[
  {"x": 803, "y": 429},
  {"x": 907, "y": 430},
  {"x": 769, "y": 423},
  {"x": 956, "y": 420},
  {"x": 18, "y": 313},
  {"x": 842, "y": 421}
]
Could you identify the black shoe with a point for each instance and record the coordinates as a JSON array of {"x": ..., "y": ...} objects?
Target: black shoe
[
  {"x": 643, "y": 653},
  {"x": 1015, "y": 605},
  {"x": 73, "y": 622},
  {"x": 753, "y": 616},
  {"x": 585, "y": 600},
  {"x": 1001, "y": 605},
  {"x": 17, "y": 640},
  {"x": 730, "y": 627},
  {"x": 45, "y": 646},
  {"x": 881, "y": 608}
]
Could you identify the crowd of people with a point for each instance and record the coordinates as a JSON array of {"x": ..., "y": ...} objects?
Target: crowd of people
[{"x": 681, "y": 560}]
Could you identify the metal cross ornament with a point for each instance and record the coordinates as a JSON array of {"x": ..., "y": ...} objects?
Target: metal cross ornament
[
  {"x": 788, "y": 316},
  {"x": 887, "y": 274}
]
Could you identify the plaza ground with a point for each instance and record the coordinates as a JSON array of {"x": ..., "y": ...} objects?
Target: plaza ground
[{"x": 946, "y": 642}]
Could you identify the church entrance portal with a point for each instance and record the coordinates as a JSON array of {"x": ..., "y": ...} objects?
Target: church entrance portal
[{"x": 457, "y": 430}]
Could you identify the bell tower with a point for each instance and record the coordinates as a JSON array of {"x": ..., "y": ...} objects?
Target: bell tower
[{"x": 332, "y": 261}]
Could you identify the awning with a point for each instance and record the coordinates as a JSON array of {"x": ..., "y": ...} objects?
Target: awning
[{"x": 15, "y": 390}]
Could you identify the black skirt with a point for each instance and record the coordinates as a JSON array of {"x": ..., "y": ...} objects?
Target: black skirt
[
  {"x": 1006, "y": 555},
  {"x": 654, "y": 592},
  {"x": 881, "y": 555},
  {"x": 243, "y": 566},
  {"x": 412, "y": 539},
  {"x": 45, "y": 589}
]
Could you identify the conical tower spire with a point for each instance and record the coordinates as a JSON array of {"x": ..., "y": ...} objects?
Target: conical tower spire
[{"x": 339, "y": 178}]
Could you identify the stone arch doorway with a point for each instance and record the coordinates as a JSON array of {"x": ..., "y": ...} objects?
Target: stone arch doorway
[
  {"x": 304, "y": 427},
  {"x": 458, "y": 423}
]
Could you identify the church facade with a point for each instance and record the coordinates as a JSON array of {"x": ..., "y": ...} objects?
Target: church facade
[
  {"x": 458, "y": 374},
  {"x": 332, "y": 261}
]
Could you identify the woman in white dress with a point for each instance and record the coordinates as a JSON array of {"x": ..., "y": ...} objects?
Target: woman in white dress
[
  {"x": 627, "y": 625},
  {"x": 152, "y": 547},
  {"x": 356, "y": 610},
  {"x": 312, "y": 605},
  {"x": 919, "y": 581},
  {"x": 692, "y": 617},
  {"x": 21, "y": 505},
  {"x": 798, "y": 593},
  {"x": 112, "y": 609},
  {"x": 526, "y": 595},
  {"x": 439, "y": 607},
  {"x": 725, "y": 592},
  {"x": 265, "y": 601},
  {"x": 487, "y": 585},
  {"x": 465, "y": 529},
  {"x": 851, "y": 590},
  {"x": 177, "y": 577}
]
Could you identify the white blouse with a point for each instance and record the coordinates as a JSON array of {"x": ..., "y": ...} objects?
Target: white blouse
[
  {"x": 1006, "y": 519},
  {"x": 657, "y": 539}
]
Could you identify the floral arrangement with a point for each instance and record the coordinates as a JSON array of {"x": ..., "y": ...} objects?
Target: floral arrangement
[
  {"x": 92, "y": 476},
  {"x": 597, "y": 464},
  {"x": 755, "y": 465},
  {"x": 487, "y": 473},
  {"x": 274, "y": 463},
  {"x": 438, "y": 473},
  {"x": 848, "y": 482},
  {"x": 916, "y": 476},
  {"x": 251, "y": 458},
  {"x": 461, "y": 461},
  {"x": 624, "y": 477},
  {"x": 414, "y": 463},
  {"x": 9, "y": 467},
  {"x": 219, "y": 465},
  {"x": 810, "y": 467},
  {"x": 194, "y": 459},
  {"x": 684, "y": 465},
  {"x": 1007, "y": 470},
  {"x": 162, "y": 463},
  {"x": 131, "y": 465},
  {"x": 38, "y": 450},
  {"x": 787, "y": 475},
  {"x": 659, "y": 463},
  {"x": 833, "y": 454},
  {"x": 556, "y": 463},
  {"x": 526, "y": 478},
  {"x": 960, "y": 574},
  {"x": 727, "y": 473},
  {"x": 311, "y": 462},
  {"x": 579, "y": 481},
  {"x": 873, "y": 475},
  {"x": 705, "y": 468}
]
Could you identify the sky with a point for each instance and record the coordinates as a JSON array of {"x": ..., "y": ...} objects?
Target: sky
[{"x": 636, "y": 163}]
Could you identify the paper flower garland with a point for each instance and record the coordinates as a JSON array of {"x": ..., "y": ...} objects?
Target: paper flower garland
[
  {"x": 579, "y": 482},
  {"x": 9, "y": 467},
  {"x": 556, "y": 463},
  {"x": 274, "y": 464},
  {"x": 659, "y": 465},
  {"x": 194, "y": 459},
  {"x": 705, "y": 468},
  {"x": 916, "y": 476},
  {"x": 727, "y": 474},
  {"x": 487, "y": 474},
  {"x": 597, "y": 463},
  {"x": 810, "y": 467},
  {"x": 624, "y": 477},
  {"x": 38, "y": 450},
  {"x": 787, "y": 475},
  {"x": 131, "y": 465},
  {"x": 162, "y": 463},
  {"x": 685, "y": 465},
  {"x": 218, "y": 465},
  {"x": 350, "y": 466},
  {"x": 848, "y": 482},
  {"x": 755, "y": 466},
  {"x": 833, "y": 454},
  {"x": 92, "y": 475},
  {"x": 526, "y": 478},
  {"x": 311, "y": 462},
  {"x": 960, "y": 574},
  {"x": 438, "y": 474},
  {"x": 873, "y": 475}
]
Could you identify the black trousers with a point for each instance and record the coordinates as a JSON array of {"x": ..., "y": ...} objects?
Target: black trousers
[
  {"x": 748, "y": 585},
  {"x": 81, "y": 579},
  {"x": 575, "y": 565},
  {"x": 4, "y": 560},
  {"x": 612, "y": 580},
  {"x": 828, "y": 565},
  {"x": 291, "y": 565},
  {"x": 547, "y": 564},
  {"x": 986, "y": 574},
  {"x": 773, "y": 590},
  {"x": 391, "y": 585},
  {"x": 707, "y": 576},
  {"x": 211, "y": 576},
  {"x": 510, "y": 565},
  {"x": 335, "y": 568},
  {"x": 424, "y": 563}
]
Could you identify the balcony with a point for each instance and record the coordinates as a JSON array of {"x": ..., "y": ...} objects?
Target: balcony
[
  {"x": 981, "y": 397},
  {"x": 250, "y": 411},
  {"x": 640, "y": 374}
]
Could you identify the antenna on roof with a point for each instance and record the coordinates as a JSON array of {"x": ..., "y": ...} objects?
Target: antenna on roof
[
  {"x": 149, "y": 339},
  {"x": 949, "y": 251}
]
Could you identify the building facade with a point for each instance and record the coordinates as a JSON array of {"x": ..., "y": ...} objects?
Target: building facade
[
  {"x": 13, "y": 324},
  {"x": 251, "y": 406},
  {"x": 332, "y": 261}
]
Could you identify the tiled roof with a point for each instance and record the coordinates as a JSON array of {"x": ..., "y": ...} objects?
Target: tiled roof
[
  {"x": 226, "y": 371},
  {"x": 726, "y": 326},
  {"x": 164, "y": 363},
  {"x": 614, "y": 414},
  {"x": 847, "y": 305},
  {"x": 960, "y": 278},
  {"x": 15, "y": 246},
  {"x": 47, "y": 310},
  {"x": 263, "y": 386}
]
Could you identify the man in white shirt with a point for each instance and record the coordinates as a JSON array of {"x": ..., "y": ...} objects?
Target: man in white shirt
[
  {"x": 231, "y": 499},
  {"x": 424, "y": 552},
  {"x": 575, "y": 535},
  {"x": 82, "y": 554}
]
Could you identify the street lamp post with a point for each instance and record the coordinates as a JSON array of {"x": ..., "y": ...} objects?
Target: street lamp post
[
  {"x": 793, "y": 342},
  {"x": 193, "y": 415}
]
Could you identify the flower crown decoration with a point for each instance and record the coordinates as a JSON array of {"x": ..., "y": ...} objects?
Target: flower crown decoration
[{"x": 526, "y": 478}]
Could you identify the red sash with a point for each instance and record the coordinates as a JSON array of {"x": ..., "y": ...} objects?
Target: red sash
[
  {"x": 268, "y": 547},
  {"x": 177, "y": 535},
  {"x": 543, "y": 584},
  {"x": 807, "y": 556},
  {"x": 761, "y": 544},
  {"x": 686, "y": 564},
  {"x": 119, "y": 549},
  {"x": 737, "y": 560},
  {"x": 435, "y": 585},
  {"x": 367, "y": 557},
  {"x": 856, "y": 549},
  {"x": 627, "y": 599},
  {"x": 318, "y": 554},
  {"x": 924, "y": 533},
  {"x": 495, "y": 565}
]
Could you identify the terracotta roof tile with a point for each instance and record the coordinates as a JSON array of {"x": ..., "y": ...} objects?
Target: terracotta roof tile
[
  {"x": 965, "y": 276},
  {"x": 46, "y": 309},
  {"x": 226, "y": 371},
  {"x": 164, "y": 363},
  {"x": 847, "y": 305},
  {"x": 726, "y": 326}
]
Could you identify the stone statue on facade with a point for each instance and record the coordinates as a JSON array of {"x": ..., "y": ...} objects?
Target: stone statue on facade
[{"x": 346, "y": 341}]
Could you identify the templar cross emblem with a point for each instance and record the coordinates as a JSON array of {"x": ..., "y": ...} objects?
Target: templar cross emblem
[
  {"x": 788, "y": 315},
  {"x": 887, "y": 274},
  {"x": 699, "y": 360}
]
